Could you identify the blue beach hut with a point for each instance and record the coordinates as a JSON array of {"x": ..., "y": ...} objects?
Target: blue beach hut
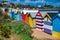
[
  {"x": 16, "y": 16},
  {"x": 20, "y": 16},
  {"x": 11, "y": 14},
  {"x": 56, "y": 26}
]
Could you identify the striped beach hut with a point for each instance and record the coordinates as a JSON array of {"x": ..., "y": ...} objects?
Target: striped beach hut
[
  {"x": 39, "y": 21},
  {"x": 25, "y": 17},
  {"x": 48, "y": 22},
  {"x": 56, "y": 27}
]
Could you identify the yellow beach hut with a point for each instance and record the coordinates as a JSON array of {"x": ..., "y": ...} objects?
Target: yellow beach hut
[
  {"x": 30, "y": 20},
  {"x": 33, "y": 16},
  {"x": 34, "y": 21}
]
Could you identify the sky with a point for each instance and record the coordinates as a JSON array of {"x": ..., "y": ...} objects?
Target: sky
[{"x": 55, "y": 3}]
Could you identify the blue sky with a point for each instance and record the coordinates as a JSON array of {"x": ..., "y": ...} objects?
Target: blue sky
[{"x": 37, "y": 2}]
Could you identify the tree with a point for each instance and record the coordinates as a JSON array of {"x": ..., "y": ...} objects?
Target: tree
[{"x": 50, "y": 6}]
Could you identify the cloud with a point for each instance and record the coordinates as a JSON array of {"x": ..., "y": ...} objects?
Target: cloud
[{"x": 38, "y": 1}]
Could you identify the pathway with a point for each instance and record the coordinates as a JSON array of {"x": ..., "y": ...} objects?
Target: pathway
[{"x": 41, "y": 35}]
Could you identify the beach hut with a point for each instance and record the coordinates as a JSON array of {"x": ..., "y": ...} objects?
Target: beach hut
[
  {"x": 16, "y": 16},
  {"x": 48, "y": 22},
  {"x": 33, "y": 18},
  {"x": 30, "y": 20},
  {"x": 56, "y": 27},
  {"x": 6, "y": 11},
  {"x": 25, "y": 17},
  {"x": 39, "y": 21},
  {"x": 20, "y": 16},
  {"x": 34, "y": 21},
  {"x": 11, "y": 14}
]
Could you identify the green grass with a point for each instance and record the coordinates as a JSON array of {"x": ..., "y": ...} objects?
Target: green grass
[
  {"x": 1, "y": 39},
  {"x": 24, "y": 36},
  {"x": 18, "y": 27}
]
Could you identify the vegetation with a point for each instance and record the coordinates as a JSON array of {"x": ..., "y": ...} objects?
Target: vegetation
[
  {"x": 22, "y": 6},
  {"x": 20, "y": 28},
  {"x": 50, "y": 6},
  {"x": 5, "y": 31},
  {"x": 1, "y": 39}
]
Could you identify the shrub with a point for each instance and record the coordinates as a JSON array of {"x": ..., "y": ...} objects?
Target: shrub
[
  {"x": 25, "y": 28},
  {"x": 1, "y": 39},
  {"x": 5, "y": 31}
]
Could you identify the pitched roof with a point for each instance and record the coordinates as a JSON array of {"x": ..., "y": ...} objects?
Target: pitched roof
[
  {"x": 57, "y": 16},
  {"x": 39, "y": 14},
  {"x": 50, "y": 15},
  {"x": 47, "y": 15}
]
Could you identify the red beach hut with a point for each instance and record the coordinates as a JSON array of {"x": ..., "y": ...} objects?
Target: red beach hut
[{"x": 25, "y": 17}]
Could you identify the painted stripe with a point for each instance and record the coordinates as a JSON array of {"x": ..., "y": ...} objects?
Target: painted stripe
[
  {"x": 47, "y": 31},
  {"x": 39, "y": 21},
  {"x": 48, "y": 27},
  {"x": 40, "y": 18},
  {"x": 56, "y": 35},
  {"x": 39, "y": 27},
  {"x": 47, "y": 23},
  {"x": 39, "y": 24}
]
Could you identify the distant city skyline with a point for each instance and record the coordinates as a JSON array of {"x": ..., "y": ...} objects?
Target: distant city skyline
[{"x": 55, "y": 3}]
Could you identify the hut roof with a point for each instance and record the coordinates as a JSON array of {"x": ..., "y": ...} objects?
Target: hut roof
[
  {"x": 50, "y": 15},
  {"x": 57, "y": 16}
]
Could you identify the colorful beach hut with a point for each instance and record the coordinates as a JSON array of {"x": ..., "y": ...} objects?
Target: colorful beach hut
[
  {"x": 6, "y": 11},
  {"x": 25, "y": 17},
  {"x": 48, "y": 22},
  {"x": 34, "y": 21},
  {"x": 11, "y": 14},
  {"x": 39, "y": 21},
  {"x": 30, "y": 20},
  {"x": 56, "y": 27},
  {"x": 18, "y": 16}
]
